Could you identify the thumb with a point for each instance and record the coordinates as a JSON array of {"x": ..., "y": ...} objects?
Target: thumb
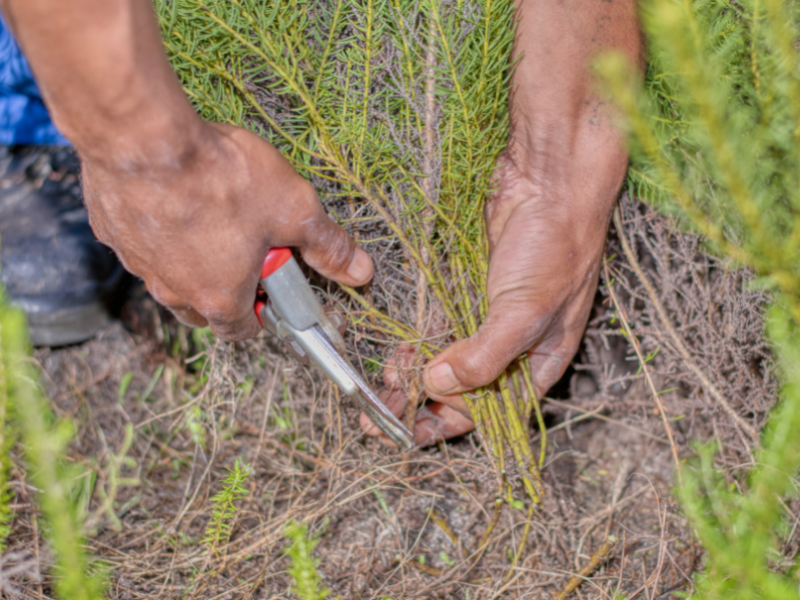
[
  {"x": 331, "y": 252},
  {"x": 508, "y": 331}
]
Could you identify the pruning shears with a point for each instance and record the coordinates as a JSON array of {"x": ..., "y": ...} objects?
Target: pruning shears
[{"x": 287, "y": 306}]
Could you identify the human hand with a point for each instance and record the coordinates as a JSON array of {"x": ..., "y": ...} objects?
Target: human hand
[
  {"x": 546, "y": 237},
  {"x": 191, "y": 207},
  {"x": 196, "y": 227},
  {"x": 557, "y": 183}
]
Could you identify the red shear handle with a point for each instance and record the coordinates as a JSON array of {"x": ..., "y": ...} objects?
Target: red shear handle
[
  {"x": 274, "y": 260},
  {"x": 258, "y": 307}
]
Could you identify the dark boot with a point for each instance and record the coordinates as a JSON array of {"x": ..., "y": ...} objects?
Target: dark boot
[{"x": 52, "y": 265}]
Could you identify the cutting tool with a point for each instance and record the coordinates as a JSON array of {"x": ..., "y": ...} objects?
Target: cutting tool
[{"x": 289, "y": 309}]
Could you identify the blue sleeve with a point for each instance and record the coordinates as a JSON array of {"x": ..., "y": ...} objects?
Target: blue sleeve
[{"x": 23, "y": 116}]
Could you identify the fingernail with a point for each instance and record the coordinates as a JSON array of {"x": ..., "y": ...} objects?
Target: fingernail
[
  {"x": 368, "y": 427},
  {"x": 391, "y": 378},
  {"x": 360, "y": 268},
  {"x": 442, "y": 379}
]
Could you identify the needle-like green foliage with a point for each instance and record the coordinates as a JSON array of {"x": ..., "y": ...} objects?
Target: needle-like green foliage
[
  {"x": 303, "y": 569},
  {"x": 7, "y": 439},
  {"x": 715, "y": 136},
  {"x": 220, "y": 525},
  {"x": 45, "y": 440},
  {"x": 397, "y": 110}
]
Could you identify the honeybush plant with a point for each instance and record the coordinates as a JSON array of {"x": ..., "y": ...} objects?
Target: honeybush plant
[
  {"x": 397, "y": 111},
  {"x": 715, "y": 138},
  {"x": 7, "y": 439},
  {"x": 303, "y": 565},
  {"x": 44, "y": 441},
  {"x": 223, "y": 511}
]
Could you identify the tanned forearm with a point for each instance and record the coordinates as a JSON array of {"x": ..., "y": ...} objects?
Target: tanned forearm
[
  {"x": 554, "y": 88},
  {"x": 104, "y": 76},
  {"x": 189, "y": 206}
]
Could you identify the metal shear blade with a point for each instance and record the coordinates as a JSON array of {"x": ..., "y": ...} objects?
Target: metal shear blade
[
  {"x": 339, "y": 370},
  {"x": 294, "y": 314}
]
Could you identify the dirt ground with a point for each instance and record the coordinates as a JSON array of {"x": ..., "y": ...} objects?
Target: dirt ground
[{"x": 389, "y": 529}]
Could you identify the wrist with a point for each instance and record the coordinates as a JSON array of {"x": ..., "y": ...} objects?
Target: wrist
[
  {"x": 142, "y": 138},
  {"x": 576, "y": 160},
  {"x": 102, "y": 71}
]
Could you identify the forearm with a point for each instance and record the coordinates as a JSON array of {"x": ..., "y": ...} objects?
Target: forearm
[
  {"x": 105, "y": 78},
  {"x": 554, "y": 102},
  {"x": 189, "y": 206}
]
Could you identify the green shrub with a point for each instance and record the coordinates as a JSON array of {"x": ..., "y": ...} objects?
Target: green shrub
[
  {"x": 8, "y": 436},
  {"x": 303, "y": 568},
  {"x": 44, "y": 440},
  {"x": 224, "y": 509},
  {"x": 715, "y": 139},
  {"x": 397, "y": 111}
]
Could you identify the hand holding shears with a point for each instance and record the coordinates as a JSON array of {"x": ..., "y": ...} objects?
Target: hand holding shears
[{"x": 292, "y": 312}]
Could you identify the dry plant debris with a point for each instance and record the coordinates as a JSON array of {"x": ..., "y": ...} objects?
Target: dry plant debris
[{"x": 413, "y": 529}]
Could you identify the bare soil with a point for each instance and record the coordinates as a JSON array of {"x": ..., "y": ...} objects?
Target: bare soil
[{"x": 396, "y": 530}]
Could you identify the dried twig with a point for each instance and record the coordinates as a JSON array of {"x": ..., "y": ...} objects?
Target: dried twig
[
  {"x": 634, "y": 342},
  {"x": 586, "y": 571},
  {"x": 707, "y": 384}
]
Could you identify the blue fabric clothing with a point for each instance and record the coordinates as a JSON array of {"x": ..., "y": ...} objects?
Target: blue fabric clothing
[{"x": 23, "y": 116}]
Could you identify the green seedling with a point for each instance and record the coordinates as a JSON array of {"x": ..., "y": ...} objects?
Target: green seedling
[
  {"x": 382, "y": 502},
  {"x": 124, "y": 384},
  {"x": 194, "y": 425},
  {"x": 8, "y": 437},
  {"x": 45, "y": 440},
  {"x": 152, "y": 384},
  {"x": 303, "y": 566},
  {"x": 715, "y": 140},
  {"x": 224, "y": 509}
]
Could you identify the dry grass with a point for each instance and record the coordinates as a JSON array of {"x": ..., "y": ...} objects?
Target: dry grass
[{"x": 609, "y": 472}]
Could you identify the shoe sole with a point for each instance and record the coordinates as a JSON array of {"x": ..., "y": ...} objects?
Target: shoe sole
[{"x": 67, "y": 326}]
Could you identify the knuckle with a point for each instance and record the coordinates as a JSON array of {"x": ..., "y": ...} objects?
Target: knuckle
[
  {"x": 556, "y": 364},
  {"x": 224, "y": 333},
  {"x": 333, "y": 247},
  {"x": 235, "y": 331},
  {"x": 338, "y": 251},
  {"x": 218, "y": 309},
  {"x": 479, "y": 366},
  {"x": 189, "y": 317},
  {"x": 163, "y": 295},
  {"x": 491, "y": 350}
]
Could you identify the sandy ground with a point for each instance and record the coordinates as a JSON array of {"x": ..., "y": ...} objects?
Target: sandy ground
[{"x": 388, "y": 529}]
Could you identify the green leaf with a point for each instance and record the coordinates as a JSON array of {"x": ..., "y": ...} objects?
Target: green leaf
[{"x": 124, "y": 383}]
